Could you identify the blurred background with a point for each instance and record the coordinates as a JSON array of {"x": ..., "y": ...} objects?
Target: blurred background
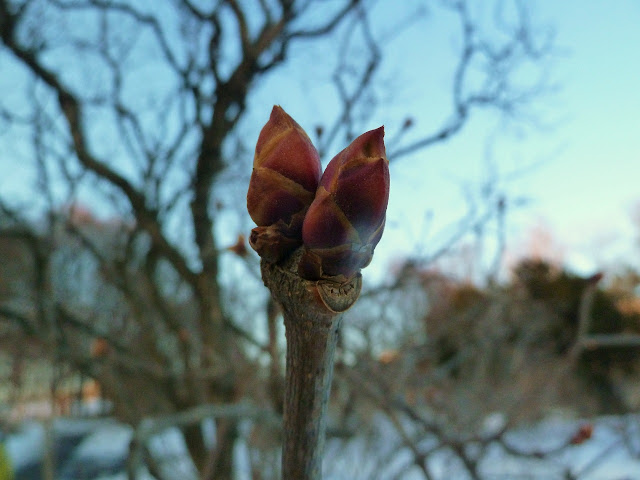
[{"x": 498, "y": 332}]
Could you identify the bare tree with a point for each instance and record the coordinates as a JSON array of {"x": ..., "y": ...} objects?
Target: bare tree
[{"x": 138, "y": 107}]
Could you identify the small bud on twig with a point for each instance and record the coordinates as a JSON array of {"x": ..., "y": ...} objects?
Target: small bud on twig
[
  {"x": 239, "y": 248},
  {"x": 584, "y": 433},
  {"x": 99, "y": 348}
]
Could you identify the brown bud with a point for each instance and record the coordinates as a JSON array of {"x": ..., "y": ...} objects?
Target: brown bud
[
  {"x": 346, "y": 219},
  {"x": 184, "y": 335},
  {"x": 239, "y": 248},
  {"x": 584, "y": 433},
  {"x": 99, "y": 348},
  {"x": 286, "y": 171},
  {"x": 408, "y": 123}
]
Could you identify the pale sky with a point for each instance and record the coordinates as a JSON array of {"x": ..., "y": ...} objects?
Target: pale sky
[
  {"x": 586, "y": 161},
  {"x": 588, "y": 177},
  {"x": 587, "y": 193}
]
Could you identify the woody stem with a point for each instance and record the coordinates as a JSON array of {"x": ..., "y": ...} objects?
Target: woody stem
[{"x": 312, "y": 332}]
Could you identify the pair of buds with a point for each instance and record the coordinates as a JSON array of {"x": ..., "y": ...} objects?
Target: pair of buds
[{"x": 337, "y": 216}]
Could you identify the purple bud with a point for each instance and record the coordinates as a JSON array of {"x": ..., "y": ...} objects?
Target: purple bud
[
  {"x": 345, "y": 221},
  {"x": 286, "y": 171}
]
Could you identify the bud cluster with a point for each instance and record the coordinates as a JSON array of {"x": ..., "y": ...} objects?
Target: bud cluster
[{"x": 338, "y": 217}]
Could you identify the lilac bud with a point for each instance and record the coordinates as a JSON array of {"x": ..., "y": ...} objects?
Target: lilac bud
[
  {"x": 286, "y": 171},
  {"x": 345, "y": 221}
]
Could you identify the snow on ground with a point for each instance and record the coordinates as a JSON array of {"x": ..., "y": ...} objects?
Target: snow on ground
[
  {"x": 612, "y": 453},
  {"x": 92, "y": 449},
  {"x": 99, "y": 450},
  {"x": 25, "y": 446},
  {"x": 103, "y": 452}
]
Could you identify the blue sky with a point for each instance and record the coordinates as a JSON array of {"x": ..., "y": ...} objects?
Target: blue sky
[
  {"x": 586, "y": 194},
  {"x": 580, "y": 173},
  {"x": 585, "y": 175},
  {"x": 600, "y": 167}
]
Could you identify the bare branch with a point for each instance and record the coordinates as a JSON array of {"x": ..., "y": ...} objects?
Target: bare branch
[
  {"x": 499, "y": 90},
  {"x": 329, "y": 26},
  {"x": 25, "y": 323},
  {"x": 72, "y": 112},
  {"x": 352, "y": 95}
]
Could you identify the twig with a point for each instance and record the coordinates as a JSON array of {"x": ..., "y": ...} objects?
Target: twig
[{"x": 312, "y": 315}]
